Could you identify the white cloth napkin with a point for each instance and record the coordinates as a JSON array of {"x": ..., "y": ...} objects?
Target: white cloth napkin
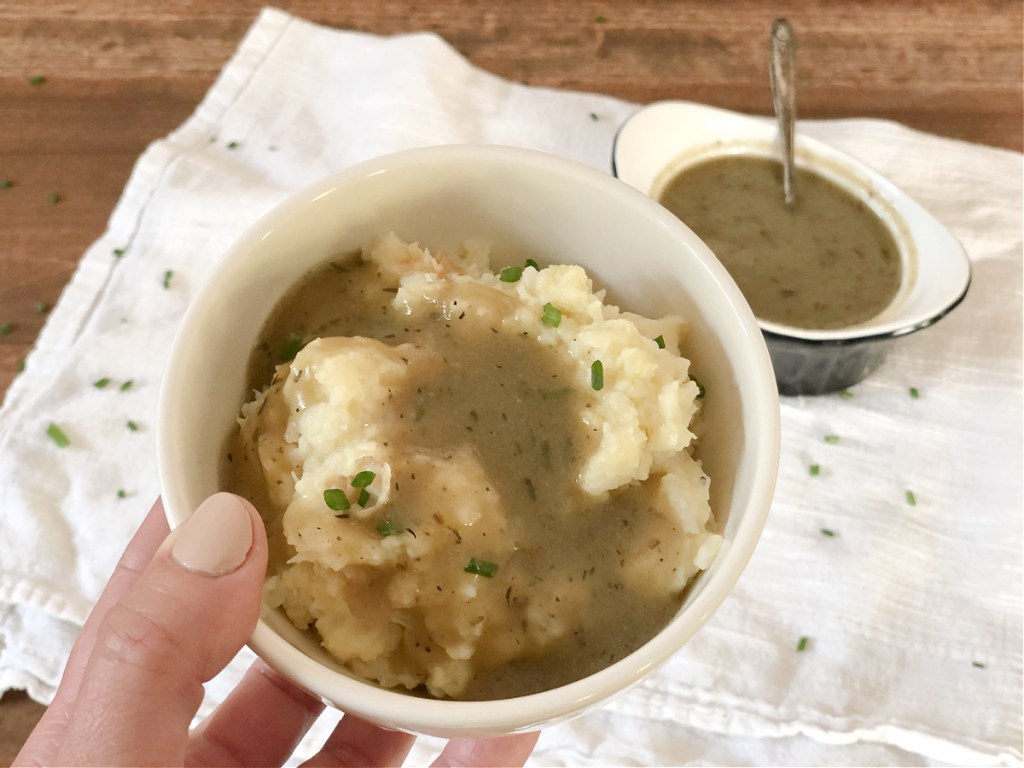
[{"x": 913, "y": 612}]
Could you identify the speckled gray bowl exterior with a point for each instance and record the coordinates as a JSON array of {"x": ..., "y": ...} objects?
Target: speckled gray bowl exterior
[{"x": 805, "y": 367}]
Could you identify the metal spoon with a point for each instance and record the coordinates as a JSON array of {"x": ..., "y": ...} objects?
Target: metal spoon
[{"x": 782, "y": 70}]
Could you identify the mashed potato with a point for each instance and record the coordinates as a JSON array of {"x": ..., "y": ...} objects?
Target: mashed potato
[{"x": 412, "y": 538}]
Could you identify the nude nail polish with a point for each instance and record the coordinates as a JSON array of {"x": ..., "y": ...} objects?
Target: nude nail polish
[{"x": 216, "y": 539}]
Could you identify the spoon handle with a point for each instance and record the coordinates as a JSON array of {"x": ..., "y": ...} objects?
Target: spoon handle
[{"x": 782, "y": 70}]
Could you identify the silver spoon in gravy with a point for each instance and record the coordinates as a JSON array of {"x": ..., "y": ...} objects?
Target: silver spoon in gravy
[{"x": 782, "y": 71}]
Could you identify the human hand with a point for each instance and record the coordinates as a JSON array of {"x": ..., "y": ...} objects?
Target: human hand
[{"x": 177, "y": 609}]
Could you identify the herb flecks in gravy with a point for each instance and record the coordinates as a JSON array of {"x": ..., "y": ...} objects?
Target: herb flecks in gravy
[
  {"x": 463, "y": 559},
  {"x": 827, "y": 262}
]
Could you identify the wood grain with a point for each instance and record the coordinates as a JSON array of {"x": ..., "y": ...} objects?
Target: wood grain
[{"x": 120, "y": 75}]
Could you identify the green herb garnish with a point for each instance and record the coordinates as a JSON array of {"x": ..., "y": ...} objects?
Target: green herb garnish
[
  {"x": 290, "y": 346},
  {"x": 364, "y": 498},
  {"x": 132, "y": 425},
  {"x": 593, "y": 116},
  {"x": 597, "y": 376},
  {"x": 532, "y": 263},
  {"x": 977, "y": 665},
  {"x": 387, "y": 528},
  {"x": 828, "y": 532},
  {"x": 57, "y": 435},
  {"x": 660, "y": 341},
  {"x": 336, "y": 499},
  {"x": 53, "y": 198},
  {"x": 802, "y": 643},
  {"x": 42, "y": 307},
  {"x": 911, "y": 499},
  {"x": 846, "y": 394},
  {"x": 552, "y": 315},
  {"x": 37, "y": 79},
  {"x": 6, "y": 183},
  {"x": 363, "y": 479},
  {"x": 831, "y": 439},
  {"x": 481, "y": 567},
  {"x": 119, "y": 252},
  {"x": 122, "y": 493},
  {"x": 914, "y": 392},
  {"x": 232, "y": 145},
  {"x": 6, "y": 328},
  {"x": 700, "y": 387},
  {"x": 21, "y": 365},
  {"x": 167, "y": 278},
  {"x": 127, "y": 385},
  {"x": 815, "y": 469},
  {"x": 510, "y": 274},
  {"x": 601, "y": 19}
]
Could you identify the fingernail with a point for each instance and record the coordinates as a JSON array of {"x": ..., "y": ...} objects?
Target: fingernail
[{"x": 216, "y": 539}]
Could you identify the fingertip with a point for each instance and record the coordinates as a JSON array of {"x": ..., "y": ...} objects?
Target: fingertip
[{"x": 218, "y": 537}]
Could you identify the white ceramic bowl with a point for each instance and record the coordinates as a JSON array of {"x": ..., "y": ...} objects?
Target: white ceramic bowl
[
  {"x": 662, "y": 139},
  {"x": 525, "y": 204}
]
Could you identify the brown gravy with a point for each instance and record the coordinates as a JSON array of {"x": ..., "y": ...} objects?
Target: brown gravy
[
  {"x": 828, "y": 262},
  {"x": 510, "y": 400}
]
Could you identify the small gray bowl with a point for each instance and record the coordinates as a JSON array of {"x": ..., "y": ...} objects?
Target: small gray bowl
[{"x": 660, "y": 140}]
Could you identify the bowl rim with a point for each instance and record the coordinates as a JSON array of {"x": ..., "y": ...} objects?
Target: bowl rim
[
  {"x": 764, "y": 131},
  {"x": 449, "y": 718}
]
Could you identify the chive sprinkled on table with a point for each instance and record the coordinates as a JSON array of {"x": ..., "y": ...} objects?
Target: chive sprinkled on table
[
  {"x": 42, "y": 307},
  {"x": 6, "y": 183},
  {"x": 53, "y": 198},
  {"x": 481, "y": 567},
  {"x": 6, "y": 328},
  {"x": 57, "y": 435},
  {"x": 36, "y": 79}
]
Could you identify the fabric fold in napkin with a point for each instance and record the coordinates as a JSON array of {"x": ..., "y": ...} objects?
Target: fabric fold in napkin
[{"x": 879, "y": 620}]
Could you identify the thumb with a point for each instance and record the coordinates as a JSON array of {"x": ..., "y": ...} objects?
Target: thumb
[{"x": 190, "y": 611}]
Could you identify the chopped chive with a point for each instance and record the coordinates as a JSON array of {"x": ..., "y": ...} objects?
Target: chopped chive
[
  {"x": 290, "y": 346},
  {"x": 232, "y": 145},
  {"x": 593, "y": 116},
  {"x": 911, "y": 499},
  {"x": 802, "y": 643},
  {"x": 127, "y": 385},
  {"x": 167, "y": 278},
  {"x": 552, "y": 315},
  {"x": 122, "y": 493},
  {"x": 37, "y": 79},
  {"x": 977, "y": 665},
  {"x": 119, "y": 252},
  {"x": 914, "y": 392},
  {"x": 6, "y": 328},
  {"x": 532, "y": 263},
  {"x": 364, "y": 498},
  {"x": 57, "y": 435},
  {"x": 510, "y": 274},
  {"x": 660, "y": 341},
  {"x": 363, "y": 479},
  {"x": 846, "y": 394},
  {"x": 815, "y": 469},
  {"x": 597, "y": 376},
  {"x": 700, "y": 387},
  {"x": 53, "y": 198},
  {"x": 481, "y": 567},
  {"x": 828, "y": 532},
  {"x": 21, "y": 365},
  {"x": 6, "y": 183},
  {"x": 132, "y": 425},
  {"x": 831, "y": 439},
  {"x": 388, "y": 528},
  {"x": 336, "y": 499},
  {"x": 42, "y": 307},
  {"x": 601, "y": 19}
]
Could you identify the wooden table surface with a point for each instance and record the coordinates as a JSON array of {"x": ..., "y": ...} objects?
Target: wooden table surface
[{"x": 119, "y": 75}]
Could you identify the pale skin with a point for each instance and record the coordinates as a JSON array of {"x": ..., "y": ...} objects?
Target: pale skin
[{"x": 169, "y": 620}]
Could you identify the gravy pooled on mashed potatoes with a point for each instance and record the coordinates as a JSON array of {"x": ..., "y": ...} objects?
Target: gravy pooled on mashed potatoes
[{"x": 475, "y": 485}]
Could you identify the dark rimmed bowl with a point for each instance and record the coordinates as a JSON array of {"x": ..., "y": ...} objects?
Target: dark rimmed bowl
[{"x": 660, "y": 140}]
